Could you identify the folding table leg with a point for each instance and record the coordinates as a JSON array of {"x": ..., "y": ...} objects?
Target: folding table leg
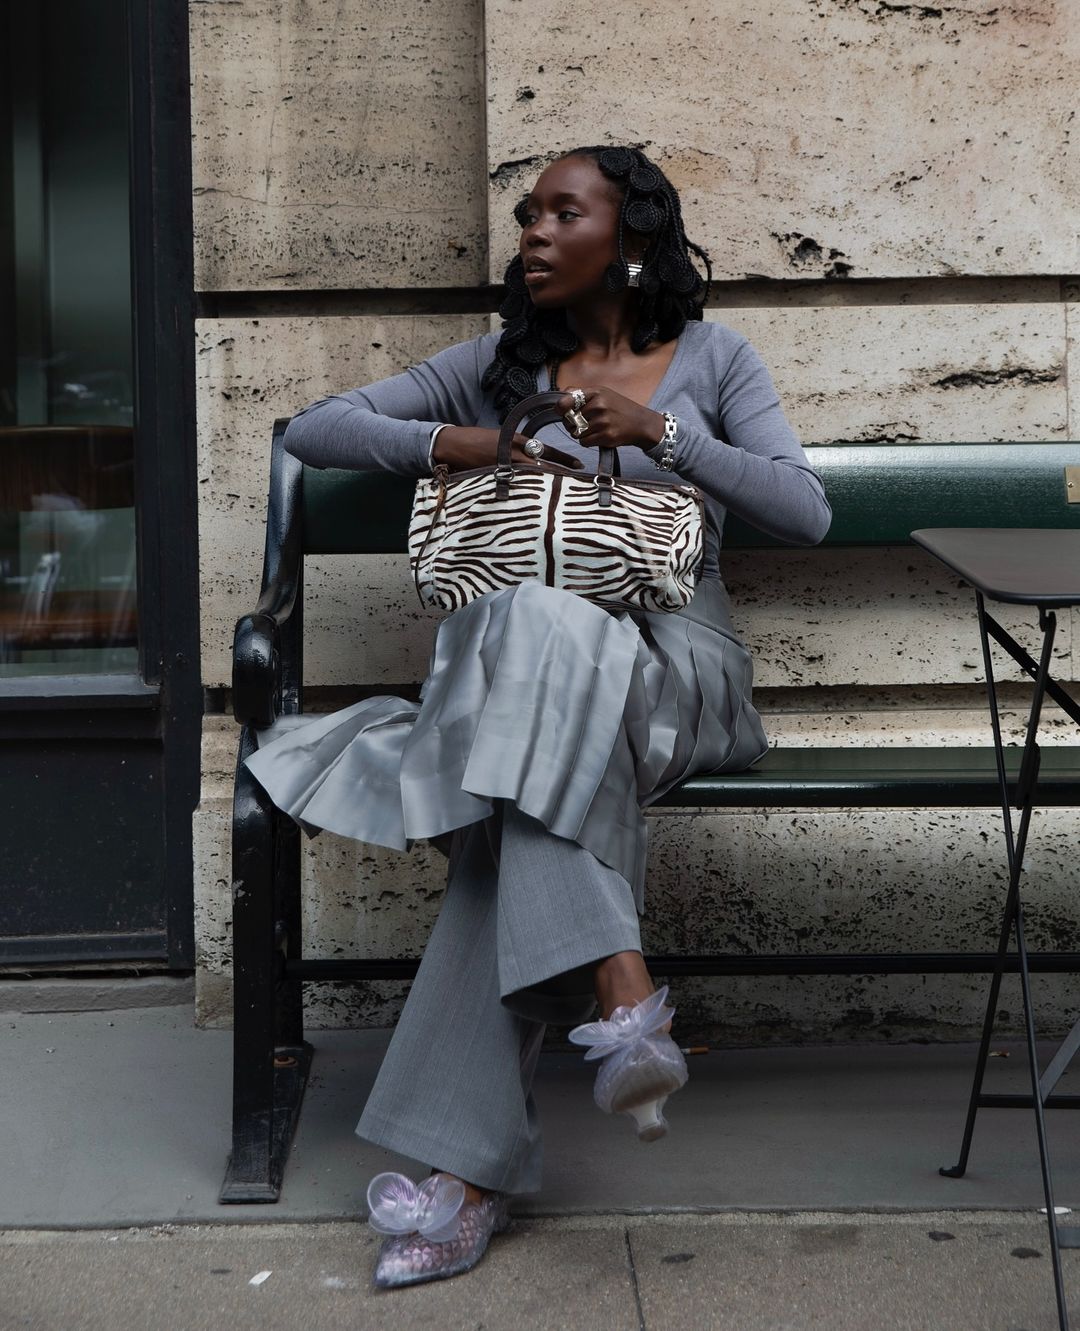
[
  {"x": 960, "y": 1168},
  {"x": 1060, "y": 1236},
  {"x": 1041, "y": 1087},
  {"x": 1009, "y": 914}
]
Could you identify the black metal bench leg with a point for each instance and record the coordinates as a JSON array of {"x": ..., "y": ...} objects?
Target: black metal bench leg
[
  {"x": 269, "y": 1076},
  {"x": 288, "y": 928}
]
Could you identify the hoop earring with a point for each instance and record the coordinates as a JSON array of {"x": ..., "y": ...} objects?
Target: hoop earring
[{"x": 634, "y": 278}]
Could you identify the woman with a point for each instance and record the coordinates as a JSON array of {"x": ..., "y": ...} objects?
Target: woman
[{"x": 546, "y": 722}]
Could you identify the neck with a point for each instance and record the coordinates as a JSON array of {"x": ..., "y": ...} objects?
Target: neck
[{"x": 605, "y": 325}]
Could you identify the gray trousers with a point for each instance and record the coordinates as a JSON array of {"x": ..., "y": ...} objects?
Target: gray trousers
[{"x": 526, "y": 915}]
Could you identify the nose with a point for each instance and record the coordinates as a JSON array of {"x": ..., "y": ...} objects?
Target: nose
[{"x": 535, "y": 234}]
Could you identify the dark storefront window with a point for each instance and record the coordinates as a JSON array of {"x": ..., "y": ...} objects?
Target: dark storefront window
[{"x": 67, "y": 482}]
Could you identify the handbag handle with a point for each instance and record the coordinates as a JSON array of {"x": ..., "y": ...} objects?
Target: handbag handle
[{"x": 532, "y": 414}]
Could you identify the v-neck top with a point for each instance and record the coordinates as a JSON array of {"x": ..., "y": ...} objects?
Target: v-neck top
[
  {"x": 656, "y": 400},
  {"x": 734, "y": 441}
]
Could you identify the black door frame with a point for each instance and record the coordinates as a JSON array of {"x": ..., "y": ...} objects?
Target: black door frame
[
  {"x": 164, "y": 339},
  {"x": 164, "y": 704}
]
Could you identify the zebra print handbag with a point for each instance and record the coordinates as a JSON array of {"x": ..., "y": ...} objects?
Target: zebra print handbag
[{"x": 615, "y": 540}]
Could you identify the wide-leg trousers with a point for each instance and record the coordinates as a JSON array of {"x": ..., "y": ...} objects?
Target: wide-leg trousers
[{"x": 525, "y": 917}]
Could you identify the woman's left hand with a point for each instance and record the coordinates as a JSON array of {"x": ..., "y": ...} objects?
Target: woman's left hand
[{"x": 614, "y": 420}]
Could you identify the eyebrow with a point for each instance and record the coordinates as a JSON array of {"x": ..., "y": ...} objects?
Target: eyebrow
[{"x": 558, "y": 198}]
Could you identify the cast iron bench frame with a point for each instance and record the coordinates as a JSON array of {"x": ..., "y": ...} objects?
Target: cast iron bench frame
[{"x": 879, "y": 495}]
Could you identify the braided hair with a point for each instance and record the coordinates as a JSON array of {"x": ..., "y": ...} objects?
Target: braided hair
[{"x": 672, "y": 290}]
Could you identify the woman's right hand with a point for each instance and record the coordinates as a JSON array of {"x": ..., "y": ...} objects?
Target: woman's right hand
[{"x": 462, "y": 447}]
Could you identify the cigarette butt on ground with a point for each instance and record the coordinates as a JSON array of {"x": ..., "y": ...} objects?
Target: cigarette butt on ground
[
  {"x": 695, "y": 1048},
  {"x": 259, "y": 1278}
]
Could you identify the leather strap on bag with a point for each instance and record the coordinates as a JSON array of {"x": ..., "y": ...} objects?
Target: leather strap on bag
[
  {"x": 440, "y": 475},
  {"x": 532, "y": 414}
]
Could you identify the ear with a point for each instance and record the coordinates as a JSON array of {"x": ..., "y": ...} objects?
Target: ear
[{"x": 635, "y": 245}]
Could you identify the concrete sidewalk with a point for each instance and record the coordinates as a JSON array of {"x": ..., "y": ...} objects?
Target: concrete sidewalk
[
  {"x": 942, "y": 1271},
  {"x": 798, "y": 1188}
]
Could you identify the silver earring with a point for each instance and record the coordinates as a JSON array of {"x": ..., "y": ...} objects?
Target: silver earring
[{"x": 634, "y": 280}]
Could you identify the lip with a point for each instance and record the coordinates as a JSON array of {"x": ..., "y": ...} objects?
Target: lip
[{"x": 537, "y": 275}]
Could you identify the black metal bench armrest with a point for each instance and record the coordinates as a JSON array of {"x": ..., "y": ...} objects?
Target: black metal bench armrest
[
  {"x": 256, "y": 675},
  {"x": 268, "y": 642}
]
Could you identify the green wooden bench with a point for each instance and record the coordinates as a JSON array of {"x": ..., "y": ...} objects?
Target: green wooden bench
[{"x": 879, "y": 496}]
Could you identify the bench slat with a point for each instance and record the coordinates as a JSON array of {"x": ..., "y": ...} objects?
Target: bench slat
[
  {"x": 879, "y": 494},
  {"x": 881, "y": 777}
]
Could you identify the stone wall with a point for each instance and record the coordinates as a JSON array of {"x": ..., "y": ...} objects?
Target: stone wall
[{"x": 888, "y": 194}]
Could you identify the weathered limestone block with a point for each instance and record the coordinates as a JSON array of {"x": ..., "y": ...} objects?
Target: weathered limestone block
[
  {"x": 868, "y": 616},
  {"x": 833, "y": 1009},
  {"x": 249, "y": 372},
  {"x": 923, "y": 718},
  {"x": 810, "y": 138},
  {"x": 211, "y": 826},
  {"x": 337, "y": 145},
  {"x": 915, "y": 373},
  {"x": 850, "y": 881},
  {"x": 1072, "y": 328}
]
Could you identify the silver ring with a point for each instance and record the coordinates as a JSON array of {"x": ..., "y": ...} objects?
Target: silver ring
[
  {"x": 534, "y": 448},
  {"x": 576, "y": 423},
  {"x": 578, "y": 394}
]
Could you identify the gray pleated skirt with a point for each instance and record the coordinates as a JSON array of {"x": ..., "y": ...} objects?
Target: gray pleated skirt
[{"x": 579, "y": 715}]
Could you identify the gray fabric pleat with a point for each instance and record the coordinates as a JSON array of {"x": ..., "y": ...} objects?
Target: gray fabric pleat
[
  {"x": 522, "y": 909},
  {"x": 578, "y": 715}
]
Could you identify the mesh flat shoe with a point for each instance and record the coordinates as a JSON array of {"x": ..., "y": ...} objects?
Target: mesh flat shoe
[{"x": 432, "y": 1232}]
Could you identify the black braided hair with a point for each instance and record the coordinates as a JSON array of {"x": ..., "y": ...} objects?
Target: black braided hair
[{"x": 672, "y": 291}]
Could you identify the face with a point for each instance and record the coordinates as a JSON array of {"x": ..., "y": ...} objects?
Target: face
[{"x": 570, "y": 233}]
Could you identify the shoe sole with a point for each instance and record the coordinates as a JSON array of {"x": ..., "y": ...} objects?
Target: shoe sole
[
  {"x": 643, "y": 1100},
  {"x": 651, "y": 1085},
  {"x": 653, "y": 1132}
]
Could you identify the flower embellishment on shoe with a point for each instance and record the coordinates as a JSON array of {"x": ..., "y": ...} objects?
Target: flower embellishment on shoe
[
  {"x": 625, "y": 1026},
  {"x": 642, "y": 1065},
  {"x": 397, "y": 1205},
  {"x": 431, "y": 1231}
]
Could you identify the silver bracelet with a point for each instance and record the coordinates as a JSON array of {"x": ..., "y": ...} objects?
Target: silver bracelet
[
  {"x": 431, "y": 446},
  {"x": 666, "y": 460}
]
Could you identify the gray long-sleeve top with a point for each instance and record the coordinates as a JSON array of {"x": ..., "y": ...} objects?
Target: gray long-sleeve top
[{"x": 734, "y": 441}]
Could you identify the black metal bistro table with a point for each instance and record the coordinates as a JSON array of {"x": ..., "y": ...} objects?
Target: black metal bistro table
[{"x": 1040, "y": 568}]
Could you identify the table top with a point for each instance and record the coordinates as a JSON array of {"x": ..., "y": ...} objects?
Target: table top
[{"x": 1024, "y": 565}]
